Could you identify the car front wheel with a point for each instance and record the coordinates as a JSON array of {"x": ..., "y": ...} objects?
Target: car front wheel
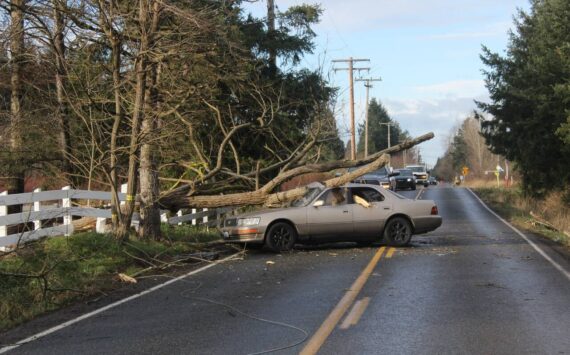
[
  {"x": 398, "y": 232},
  {"x": 280, "y": 237}
]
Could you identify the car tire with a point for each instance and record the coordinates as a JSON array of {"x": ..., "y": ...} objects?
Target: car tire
[
  {"x": 280, "y": 237},
  {"x": 398, "y": 232},
  {"x": 414, "y": 187}
]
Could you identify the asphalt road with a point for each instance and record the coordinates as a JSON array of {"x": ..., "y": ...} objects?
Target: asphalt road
[{"x": 473, "y": 286}]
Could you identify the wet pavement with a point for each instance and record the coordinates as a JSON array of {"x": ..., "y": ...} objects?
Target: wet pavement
[{"x": 473, "y": 286}]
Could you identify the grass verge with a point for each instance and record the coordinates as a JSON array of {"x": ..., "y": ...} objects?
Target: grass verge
[
  {"x": 50, "y": 273},
  {"x": 549, "y": 216}
]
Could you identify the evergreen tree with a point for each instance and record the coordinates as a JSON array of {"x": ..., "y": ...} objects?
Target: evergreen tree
[
  {"x": 377, "y": 131},
  {"x": 530, "y": 94}
]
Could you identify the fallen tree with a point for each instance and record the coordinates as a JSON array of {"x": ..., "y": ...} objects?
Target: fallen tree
[{"x": 188, "y": 196}]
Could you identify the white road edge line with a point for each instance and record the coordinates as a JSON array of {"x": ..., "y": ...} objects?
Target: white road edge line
[
  {"x": 112, "y": 305},
  {"x": 419, "y": 194},
  {"x": 532, "y": 244}
]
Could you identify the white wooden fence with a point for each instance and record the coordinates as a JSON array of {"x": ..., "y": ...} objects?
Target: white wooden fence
[{"x": 62, "y": 209}]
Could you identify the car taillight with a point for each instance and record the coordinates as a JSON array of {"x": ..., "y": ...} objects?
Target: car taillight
[{"x": 434, "y": 210}]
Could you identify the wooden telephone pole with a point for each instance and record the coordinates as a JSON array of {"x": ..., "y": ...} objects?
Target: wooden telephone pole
[
  {"x": 350, "y": 69},
  {"x": 388, "y": 125},
  {"x": 368, "y": 86}
]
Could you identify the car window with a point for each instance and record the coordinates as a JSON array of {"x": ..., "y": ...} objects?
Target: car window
[
  {"x": 372, "y": 182},
  {"x": 307, "y": 197},
  {"x": 416, "y": 169},
  {"x": 334, "y": 197},
  {"x": 368, "y": 194}
]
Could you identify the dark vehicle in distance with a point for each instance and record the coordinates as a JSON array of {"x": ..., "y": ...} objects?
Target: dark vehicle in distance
[
  {"x": 432, "y": 180},
  {"x": 420, "y": 173},
  {"x": 378, "y": 177},
  {"x": 354, "y": 212},
  {"x": 404, "y": 179}
]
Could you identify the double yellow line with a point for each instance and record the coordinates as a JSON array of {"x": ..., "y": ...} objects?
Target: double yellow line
[{"x": 343, "y": 305}]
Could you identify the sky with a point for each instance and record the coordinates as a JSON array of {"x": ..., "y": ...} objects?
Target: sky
[{"x": 425, "y": 52}]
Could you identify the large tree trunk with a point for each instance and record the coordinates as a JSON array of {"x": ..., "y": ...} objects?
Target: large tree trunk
[
  {"x": 149, "y": 208},
  {"x": 62, "y": 112},
  {"x": 141, "y": 67},
  {"x": 116, "y": 65},
  {"x": 184, "y": 197},
  {"x": 15, "y": 181},
  {"x": 106, "y": 16}
]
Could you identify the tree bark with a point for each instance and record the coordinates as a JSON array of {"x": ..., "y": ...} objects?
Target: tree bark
[
  {"x": 141, "y": 67},
  {"x": 183, "y": 196},
  {"x": 61, "y": 112},
  {"x": 106, "y": 15},
  {"x": 150, "y": 188},
  {"x": 15, "y": 181}
]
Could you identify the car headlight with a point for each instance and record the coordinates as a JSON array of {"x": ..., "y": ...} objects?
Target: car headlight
[
  {"x": 252, "y": 221},
  {"x": 409, "y": 179}
]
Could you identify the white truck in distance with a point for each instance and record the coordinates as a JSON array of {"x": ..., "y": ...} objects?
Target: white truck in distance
[{"x": 420, "y": 173}]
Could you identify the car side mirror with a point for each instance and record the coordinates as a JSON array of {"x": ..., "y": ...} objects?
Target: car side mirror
[{"x": 319, "y": 203}]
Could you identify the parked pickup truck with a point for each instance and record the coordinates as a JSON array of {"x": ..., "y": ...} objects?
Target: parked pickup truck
[{"x": 420, "y": 173}]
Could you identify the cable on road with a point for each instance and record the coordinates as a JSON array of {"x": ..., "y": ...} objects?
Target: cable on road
[{"x": 185, "y": 294}]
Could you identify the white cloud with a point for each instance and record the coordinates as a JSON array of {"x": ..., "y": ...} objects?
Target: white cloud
[{"x": 454, "y": 88}]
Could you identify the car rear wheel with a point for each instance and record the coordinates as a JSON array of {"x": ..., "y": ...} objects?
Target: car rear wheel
[
  {"x": 413, "y": 187},
  {"x": 398, "y": 232},
  {"x": 280, "y": 237}
]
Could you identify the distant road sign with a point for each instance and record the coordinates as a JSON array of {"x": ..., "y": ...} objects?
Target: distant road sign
[{"x": 465, "y": 171}]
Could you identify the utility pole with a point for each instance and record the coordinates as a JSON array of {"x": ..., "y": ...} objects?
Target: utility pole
[
  {"x": 271, "y": 34},
  {"x": 388, "y": 124},
  {"x": 350, "y": 69},
  {"x": 367, "y": 85}
]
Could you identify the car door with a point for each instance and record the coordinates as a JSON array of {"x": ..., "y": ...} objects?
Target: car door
[
  {"x": 330, "y": 218},
  {"x": 368, "y": 222}
]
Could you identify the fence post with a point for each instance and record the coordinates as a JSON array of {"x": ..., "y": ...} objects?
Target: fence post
[
  {"x": 193, "y": 219},
  {"x": 124, "y": 191},
  {"x": 179, "y": 214},
  {"x": 66, "y": 205},
  {"x": 205, "y": 219},
  {"x": 3, "y": 212},
  {"x": 164, "y": 217},
  {"x": 100, "y": 225},
  {"x": 37, "y": 207}
]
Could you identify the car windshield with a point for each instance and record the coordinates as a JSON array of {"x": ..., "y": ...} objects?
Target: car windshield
[
  {"x": 405, "y": 172},
  {"x": 307, "y": 197},
  {"x": 416, "y": 169}
]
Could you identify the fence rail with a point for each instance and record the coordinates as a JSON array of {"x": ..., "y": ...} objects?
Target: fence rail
[{"x": 61, "y": 209}]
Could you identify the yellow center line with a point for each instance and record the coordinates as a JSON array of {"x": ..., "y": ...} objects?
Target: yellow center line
[
  {"x": 346, "y": 301},
  {"x": 390, "y": 253},
  {"x": 355, "y": 313}
]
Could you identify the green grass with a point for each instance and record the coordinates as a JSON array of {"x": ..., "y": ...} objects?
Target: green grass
[
  {"x": 54, "y": 272},
  {"x": 512, "y": 205}
]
